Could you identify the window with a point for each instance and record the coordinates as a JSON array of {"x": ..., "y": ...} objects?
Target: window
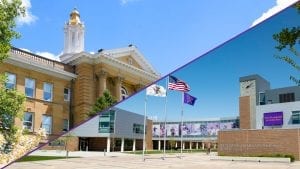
[
  {"x": 28, "y": 121},
  {"x": 286, "y": 97},
  {"x": 124, "y": 93},
  {"x": 138, "y": 128},
  {"x": 66, "y": 94},
  {"x": 11, "y": 81},
  {"x": 29, "y": 87},
  {"x": 262, "y": 98},
  {"x": 48, "y": 88},
  {"x": 107, "y": 122},
  {"x": 295, "y": 117},
  {"x": 47, "y": 123},
  {"x": 65, "y": 124}
]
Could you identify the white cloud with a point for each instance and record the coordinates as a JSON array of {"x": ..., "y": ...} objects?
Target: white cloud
[
  {"x": 124, "y": 2},
  {"x": 48, "y": 55},
  {"x": 29, "y": 17},
  {"x": 27, "y": 50},
  {"x": 280, "y": 5}
]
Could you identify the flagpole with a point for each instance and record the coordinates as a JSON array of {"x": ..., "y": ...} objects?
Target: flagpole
[
  {"x": 165, "y": 126},
  {"x": 181, "y": 138},
  {"x": 144, "y": 137}
]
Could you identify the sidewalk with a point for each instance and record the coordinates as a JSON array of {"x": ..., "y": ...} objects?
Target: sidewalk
[
  {"x": 153, "y": 161},
  {"x": 62, "y": 153}
]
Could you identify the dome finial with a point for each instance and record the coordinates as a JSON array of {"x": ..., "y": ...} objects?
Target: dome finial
[{"x": 74, "y": 17}]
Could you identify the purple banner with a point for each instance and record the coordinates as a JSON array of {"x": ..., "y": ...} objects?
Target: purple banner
[{"x": 273, "y": 119}]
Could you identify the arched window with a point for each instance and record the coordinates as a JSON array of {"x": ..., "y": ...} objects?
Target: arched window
[{"x": 124, "y": 93}]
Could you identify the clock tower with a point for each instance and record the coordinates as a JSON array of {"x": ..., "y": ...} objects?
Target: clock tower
[
  {"x": 250, "y": 87},
  {"x": 74, "y": 35}
]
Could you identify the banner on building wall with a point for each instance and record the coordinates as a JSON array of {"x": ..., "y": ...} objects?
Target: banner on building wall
[
  {"x": 172, "y": 130},
  {"x": 201, "y": 129},
  {"x": 273, "y": 119}
]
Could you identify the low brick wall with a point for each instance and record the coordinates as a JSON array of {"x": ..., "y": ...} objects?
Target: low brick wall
[{"x": 259, "y": 142}]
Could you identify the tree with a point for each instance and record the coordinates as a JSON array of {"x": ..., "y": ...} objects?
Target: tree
[
  {"x": 11, "y": 102},
  {"x": 11, "y": 107},
  {"x": 102, "y": 103},
  {"x": 9, "y": 10},
  {"x": 289, "y": 39}
]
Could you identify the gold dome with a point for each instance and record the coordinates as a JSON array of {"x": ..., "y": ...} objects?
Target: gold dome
[{"x": 74, "y": 17}]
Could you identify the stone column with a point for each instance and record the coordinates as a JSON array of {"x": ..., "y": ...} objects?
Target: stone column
[
  {"x": 202, "y": 145},
  {"x": 133, "y": 145},
  {"x": 159, "y": 144},
  {"x": 176, "y": 144},
  {"x": 118, "y": 84},
  {"x": 191, "y": 144},
  {"x": 197, "y": 145},
  {"x": 122, "y": 144},
  {"x": 102, "y": 75},
  {"x": 108, "y": 144},
  {"x": 183, "y": 145}
]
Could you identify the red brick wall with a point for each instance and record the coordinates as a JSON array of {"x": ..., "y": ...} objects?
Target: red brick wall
[
  {"x": 259, "y": 142},
  {"x": 244, "y": 112}
]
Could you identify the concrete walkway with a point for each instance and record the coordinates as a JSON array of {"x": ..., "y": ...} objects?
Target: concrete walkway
[{"x": 154, "y": 161}]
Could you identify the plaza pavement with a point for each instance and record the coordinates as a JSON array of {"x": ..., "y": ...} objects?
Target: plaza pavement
[{"x": 97, "y": 160}]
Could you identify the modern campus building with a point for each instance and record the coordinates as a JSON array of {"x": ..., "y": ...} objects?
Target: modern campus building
[
  {"x": 114, "y": 130},
  {"x": 121, "y": 130},
  {"x": 60, "y": 93},
  {"x": 269, "y": 120}
]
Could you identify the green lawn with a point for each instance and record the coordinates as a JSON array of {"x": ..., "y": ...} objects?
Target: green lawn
[{"x": 42, "y": 158}]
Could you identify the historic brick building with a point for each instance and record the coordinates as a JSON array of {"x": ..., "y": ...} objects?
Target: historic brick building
[{"x": 60, "y": 93}]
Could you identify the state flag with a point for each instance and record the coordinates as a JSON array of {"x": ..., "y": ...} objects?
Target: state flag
[{"x": 156, "y": 90}]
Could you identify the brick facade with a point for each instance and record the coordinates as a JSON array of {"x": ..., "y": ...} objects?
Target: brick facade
[
  {"x": 58, "y": 109},
  {"x": 259, "y": 142},
  {"x": 245, "y": 112}
]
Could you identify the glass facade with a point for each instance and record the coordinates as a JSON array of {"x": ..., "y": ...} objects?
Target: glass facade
[
  {"x": 296, "y": 117},
  {"x": 107, "y": 122},
  {"x": 262, "y": 98},
  {"x": 138, "y": 128}
]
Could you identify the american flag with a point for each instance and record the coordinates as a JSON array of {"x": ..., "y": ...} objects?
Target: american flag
[{"x": 179, "y": 85}]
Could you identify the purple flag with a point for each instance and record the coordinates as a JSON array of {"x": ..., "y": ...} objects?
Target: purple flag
[{"x": 188, "y": 99}]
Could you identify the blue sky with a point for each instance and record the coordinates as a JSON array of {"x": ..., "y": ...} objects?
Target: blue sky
[
  {"x": 169, "y": 33},
  {"x": 214, "y": 77}
]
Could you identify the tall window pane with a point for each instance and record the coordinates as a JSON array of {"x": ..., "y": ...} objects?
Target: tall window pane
[
  {"x": 29, "y": 87},
  {"x": 65, "y": 125},
  {"x": 107, "y": 122},
  {"x": 11, "y": 81},
  {"x": 47, "y": 123},
  {"x": 296, "y": 117},
  {"x": 48, "y": 88},
  {"x": 66, "y": 94},
  {"x": 28, "y": 121}
]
